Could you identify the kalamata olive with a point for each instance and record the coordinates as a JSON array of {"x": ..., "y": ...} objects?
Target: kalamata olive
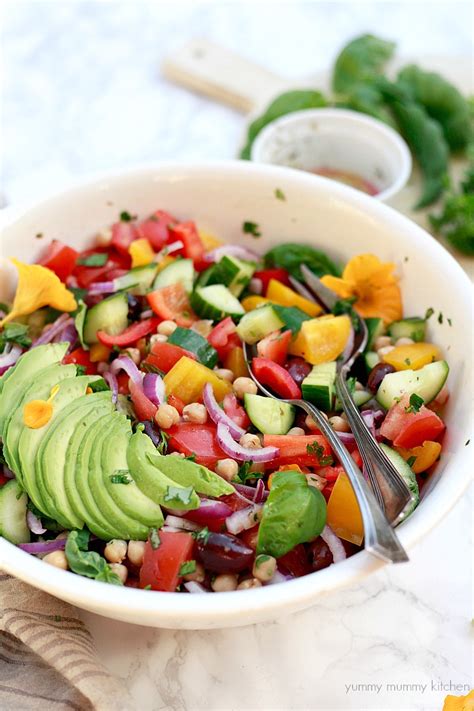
[
  {"x": 298, "y": 368},
  {"x": 320, "y": 554},
  {"x": 224, "y": 553},
  {"x": 377, "y": 374},
  {"x": 134, "y": 307}
]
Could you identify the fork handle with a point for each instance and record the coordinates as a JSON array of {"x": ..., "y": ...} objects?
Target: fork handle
[{"x": 380, "y": 539}]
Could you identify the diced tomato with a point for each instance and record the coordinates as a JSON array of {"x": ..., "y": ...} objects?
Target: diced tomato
[
  {"x": 249, "y": 537},
  {"x": 86, "y": 276},
  {"x": 165, "y": 355},
  {"x": 60, "y": 258},
  {"x": 266, "y": 274},
  {"x": 81, "y": 357},
  {"x": 303, "y": 450},
  {"x": 201, "y": 440},
  {"x": 161, "y": 566},
  {"x": 123, "y": 234},
  {"x": 144, "y": 408},
  {"x": 131, "y": 334},
  {"x": 189, "y": 236},
  {"x": 224, "y": 338},
  {"x": 411, "y": 429},
  {"x": 275, "y": 346},
  {"x": 156, "y": 229},
  {"x": 356, "y": 456},
  {"x": 176, "y": 402},
  {"x": 3, "y": 479},
  {"x": 171, "y": 302},
  {"x": 295, "y": 562},
  {"x": 122, "y": 380},
  {"x": 235, "y": 411},
  {"x": 276, "y": 378},
  {"x": 330, "y": 473}
]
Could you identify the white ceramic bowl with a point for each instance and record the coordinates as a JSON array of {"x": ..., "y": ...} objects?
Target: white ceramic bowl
[
  {"x": 317, "y": 211},
  {"x": 341, "y": 140}
]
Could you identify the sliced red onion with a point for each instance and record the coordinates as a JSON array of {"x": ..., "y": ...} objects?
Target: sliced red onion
[
  {"x": 154, "y": 388},
  {"x": 208, "y": 510},
  {"x": 182, "y": 523},
  {"x": 7, "y": 473},
  {"x": 244, "y": 519},
  {"x": 334, "y": 544},
  {"x": 125, "y": 363},
  {"x": 233, "y": 250},
  {"x": 171, "y": 529},
  {"x": 9, "y": 357},
  {"x": 102, "y": 287},
  {"x": 152, "y": 433},
  {"x": 169, "y": 249},
  {"x": 111, "y": 380},
  {"x": 248, "y": 492},
  {"x": 368, "y": 417},
  {"x": 67, "y": 335},
  {"x": 146, "y": 314},
  {"x": 218, "y": 415},
  {"x": 102, "y": 368},
  {"x": 377, "y": 414},
  {"x": 259, "y": 492},
  {"x": 57, "y": 544},
  {"x": 192, "y": 586},
  {"x": 256, "y": 286},
  {"x": 49, "y": 334},
  {"x": 34, "y": 523},
  {"x": 346, "y": 437},
  {"x": 243, "y": 454}
]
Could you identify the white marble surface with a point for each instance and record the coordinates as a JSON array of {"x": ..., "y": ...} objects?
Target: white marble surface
[{"x": 82, "y": 93}]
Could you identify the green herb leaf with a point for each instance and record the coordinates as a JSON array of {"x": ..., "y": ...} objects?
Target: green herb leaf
[
  {"x": 411, "y": 461},
  {"x": 97, "y": 259},
  {"x": 189, "y": 566},
  {"x": 291, "y": 256},
  {"x": 429, "y": 313},
  {"x": 98, "y": 386},
  {"x": 360, "y": 62},
  {"x": 126, "y": 216},
  {"x": 154, "y": 538},
  {"x": 317, "y": 450},
  {"x": 202, "y": 535},
  {"x": 292, "y": 317},
  {"x": 415, "y": 403},
  {"x": 121, "y": 476},
  {"x": 87, "y": 563},
  {"x": 244, "y": 473},
  {"x": 15, "y": 333},
  {"x": 279, "y": 194},
  {"x": 80, "y": 369},
  {"x": 251, "y": 228}
]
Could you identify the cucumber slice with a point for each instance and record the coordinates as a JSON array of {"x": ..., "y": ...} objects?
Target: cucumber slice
[
  {"x": 269, "y": 416},
  {"x": 110, "y": 315},
  {"x": 181, "y": 271},
  {"x": 371, "y": 359},
  {"x": 376, "y": 328},
  {"x": 318, "y": 386},
  {"x": 216, "y": 302},
  {"x": 194, "y": 342},
  {"x": 13, "y": 524},
  {"x": 258, "y": 323},
  {"x": 407, "y": 475},
  {"x": 414, "y": 327},
  {"x": 137, "y": 280},
  {"x": 360, "y": 397},
  {"x": 230, "y": 271},
  {"x": 425, "y": 382}
]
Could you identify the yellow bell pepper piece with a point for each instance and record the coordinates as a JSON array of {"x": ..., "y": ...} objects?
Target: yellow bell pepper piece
[
  {"x": 425, "y": 455},
  {"x": 253, "y": 302},
  {"x": 343, "y": 512},
  {"x": 413, "y": 356},
  {"x": 209, "y": 241},
  {"x": 37, "y": 287},
  {"x": 187, "y": 378},
  {"x": 141, "y": 253},
  {"x": 284, "y": 296},
  {"x": 321, "y": 340},
  {"x": 235, "y": 362},
  {"x": 98, "y": 352}
]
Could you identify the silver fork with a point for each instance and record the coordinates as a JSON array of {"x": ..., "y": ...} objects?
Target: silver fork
[
  {"x": 389, "y": 488},
  {"x": 379, "y": 537}
]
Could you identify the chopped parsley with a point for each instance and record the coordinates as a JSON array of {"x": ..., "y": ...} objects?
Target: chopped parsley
[
  {"x": 202, "y": 536},
  {"x": 121, "y": 476},
  {"x": 39, "y": 235},
  {"x": 15, "y": 333},
  {"x": 279, "y": 194},
  {"x": 189, "y": 566},
  {"x": 251, "y": 228},
  {"x": 180, "y": 494},
  {"x": 429, "y": 313},
  {"x": 415, "y": 403},
  {"x": 97, "y": 259},
  {"x": 318, "y": 451},
  {"x": 147, "y": 587},
  {"x": 98, "y": 386},
  {"x": 411, "y": 461},
  {"x": 440, "y": 317},
  {"x": 80, "y": 369},
  {"x": 126, "y": 216},
  {"x": 449, "y": 321},
  {"x": 191, "y": 457},
  {"x": 154, "y": 538},
  {"x": 78, "y": 293},
  {"x": 163, "y": 446},
  {"x": 467, "y": 442},
  {"x": 407, "y": 361},
  {"x": 244, "y": 473}
]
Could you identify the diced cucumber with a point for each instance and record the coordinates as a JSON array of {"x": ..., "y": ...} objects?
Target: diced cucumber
[
  {"x": 360, "y": 397},
  {"x": 425, "y": 382},
  {"x": 137, "y": 280},
  {"x": 258, "y": 323},
  {"x": 371, "y": 359},
  {"x": 269, "y": 416},
  {"x": 216, "y": 302},
  {"x": 407, "y": 475},
  {"x": 110, "y": 315},
  {"x": 181, "y": 271},
  {"x": 291, "y": 316},
  {"x": 13, "y": 524},
  {"x": 376, "y": 328},
  {"x": 234, "y": 273},
  {"x": 414, "y": 327},
  {"x": 194, "y": 342},
  {"x": 318, "y": 386}
]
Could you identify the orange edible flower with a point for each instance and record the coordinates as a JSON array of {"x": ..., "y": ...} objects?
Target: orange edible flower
[
  {"x": 459, "y": 703},
  {"x": 37, "y": 413},
  {"x": 374, "y": 286}
]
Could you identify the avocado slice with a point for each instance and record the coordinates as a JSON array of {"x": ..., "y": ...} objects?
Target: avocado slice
[
  {"x": 187, "y": 473},
  {"x": 128, "y": 497},
  {"x": 150, "y": 480},
  {"x": 113, "y": 429},
  {"x": 29, "y": 441},
  {"x": 25, "y": 370},
  {"x": 38, "y": 389}
]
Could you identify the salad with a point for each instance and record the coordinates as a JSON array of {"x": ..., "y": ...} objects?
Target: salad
[{"x": 136, "y": 449}]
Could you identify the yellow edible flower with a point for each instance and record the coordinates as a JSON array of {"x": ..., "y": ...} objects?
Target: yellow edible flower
[
  {"x": 459, "y": 703},
  {"x": 374, "y": 286},
  {"x": 37, "y": 413},
  {"x": 38, "y": 287},
  {"x": 141, "y": 253}
]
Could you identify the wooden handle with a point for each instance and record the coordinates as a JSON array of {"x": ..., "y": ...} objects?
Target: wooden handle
[{"x": 221, "y": 74}]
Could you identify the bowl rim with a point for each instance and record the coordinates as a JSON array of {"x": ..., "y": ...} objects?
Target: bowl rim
[
  {"x": 394, "y": 142},
  {"x": 162, "y": 609}
]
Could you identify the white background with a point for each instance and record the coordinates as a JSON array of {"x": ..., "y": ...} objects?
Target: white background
[{"x": 82, "y": 92}]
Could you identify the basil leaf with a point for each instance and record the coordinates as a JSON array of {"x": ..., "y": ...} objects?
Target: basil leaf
[
  {"x": 85, "y": 562},
  {"x": 97, "y": 259},
  {"x": 360, "y": 61},
  {"x": 291, "y": 256},
  {"x": 15, "y": 333}
]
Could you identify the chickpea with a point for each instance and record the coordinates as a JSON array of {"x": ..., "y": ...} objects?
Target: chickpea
[
  {"x": 264, "y": 568},
  {"x": 244, "y": 385},
  {"x": 317, "y": 481},
  {"x": 103, "y": 237},
  {"x": 296, "y": 431},
  {"x": 198, "y": 575},
  {"x": 115, "y": 551},
  {"x": 195, "y": 412},
  {"x": 166, "y": 328},
  {"x": 135, "y": 552},
  {"x": 384, "y": 351},
  {"x": 226, "y": 582},
  {"x": 225, "y": 374},
  {"x": 312, "y": 424},
  {"x": 166, "y": 416},
  {"x": 227, "y": 469},
  {"x": 203, "y": 327},
  {"x": 404, "y": 341},
  {"x": 120, "y": 570},
  {"x": 339, "y": 424},
  {"x": 157, "y": 338},
  {"x": 134, "y": 354},
  {"x": 381, "y": 342},
  {"x": 58, "y": 559},
  {"x": 251, "y": 441},
  {"x": 249, "y": 583}
]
